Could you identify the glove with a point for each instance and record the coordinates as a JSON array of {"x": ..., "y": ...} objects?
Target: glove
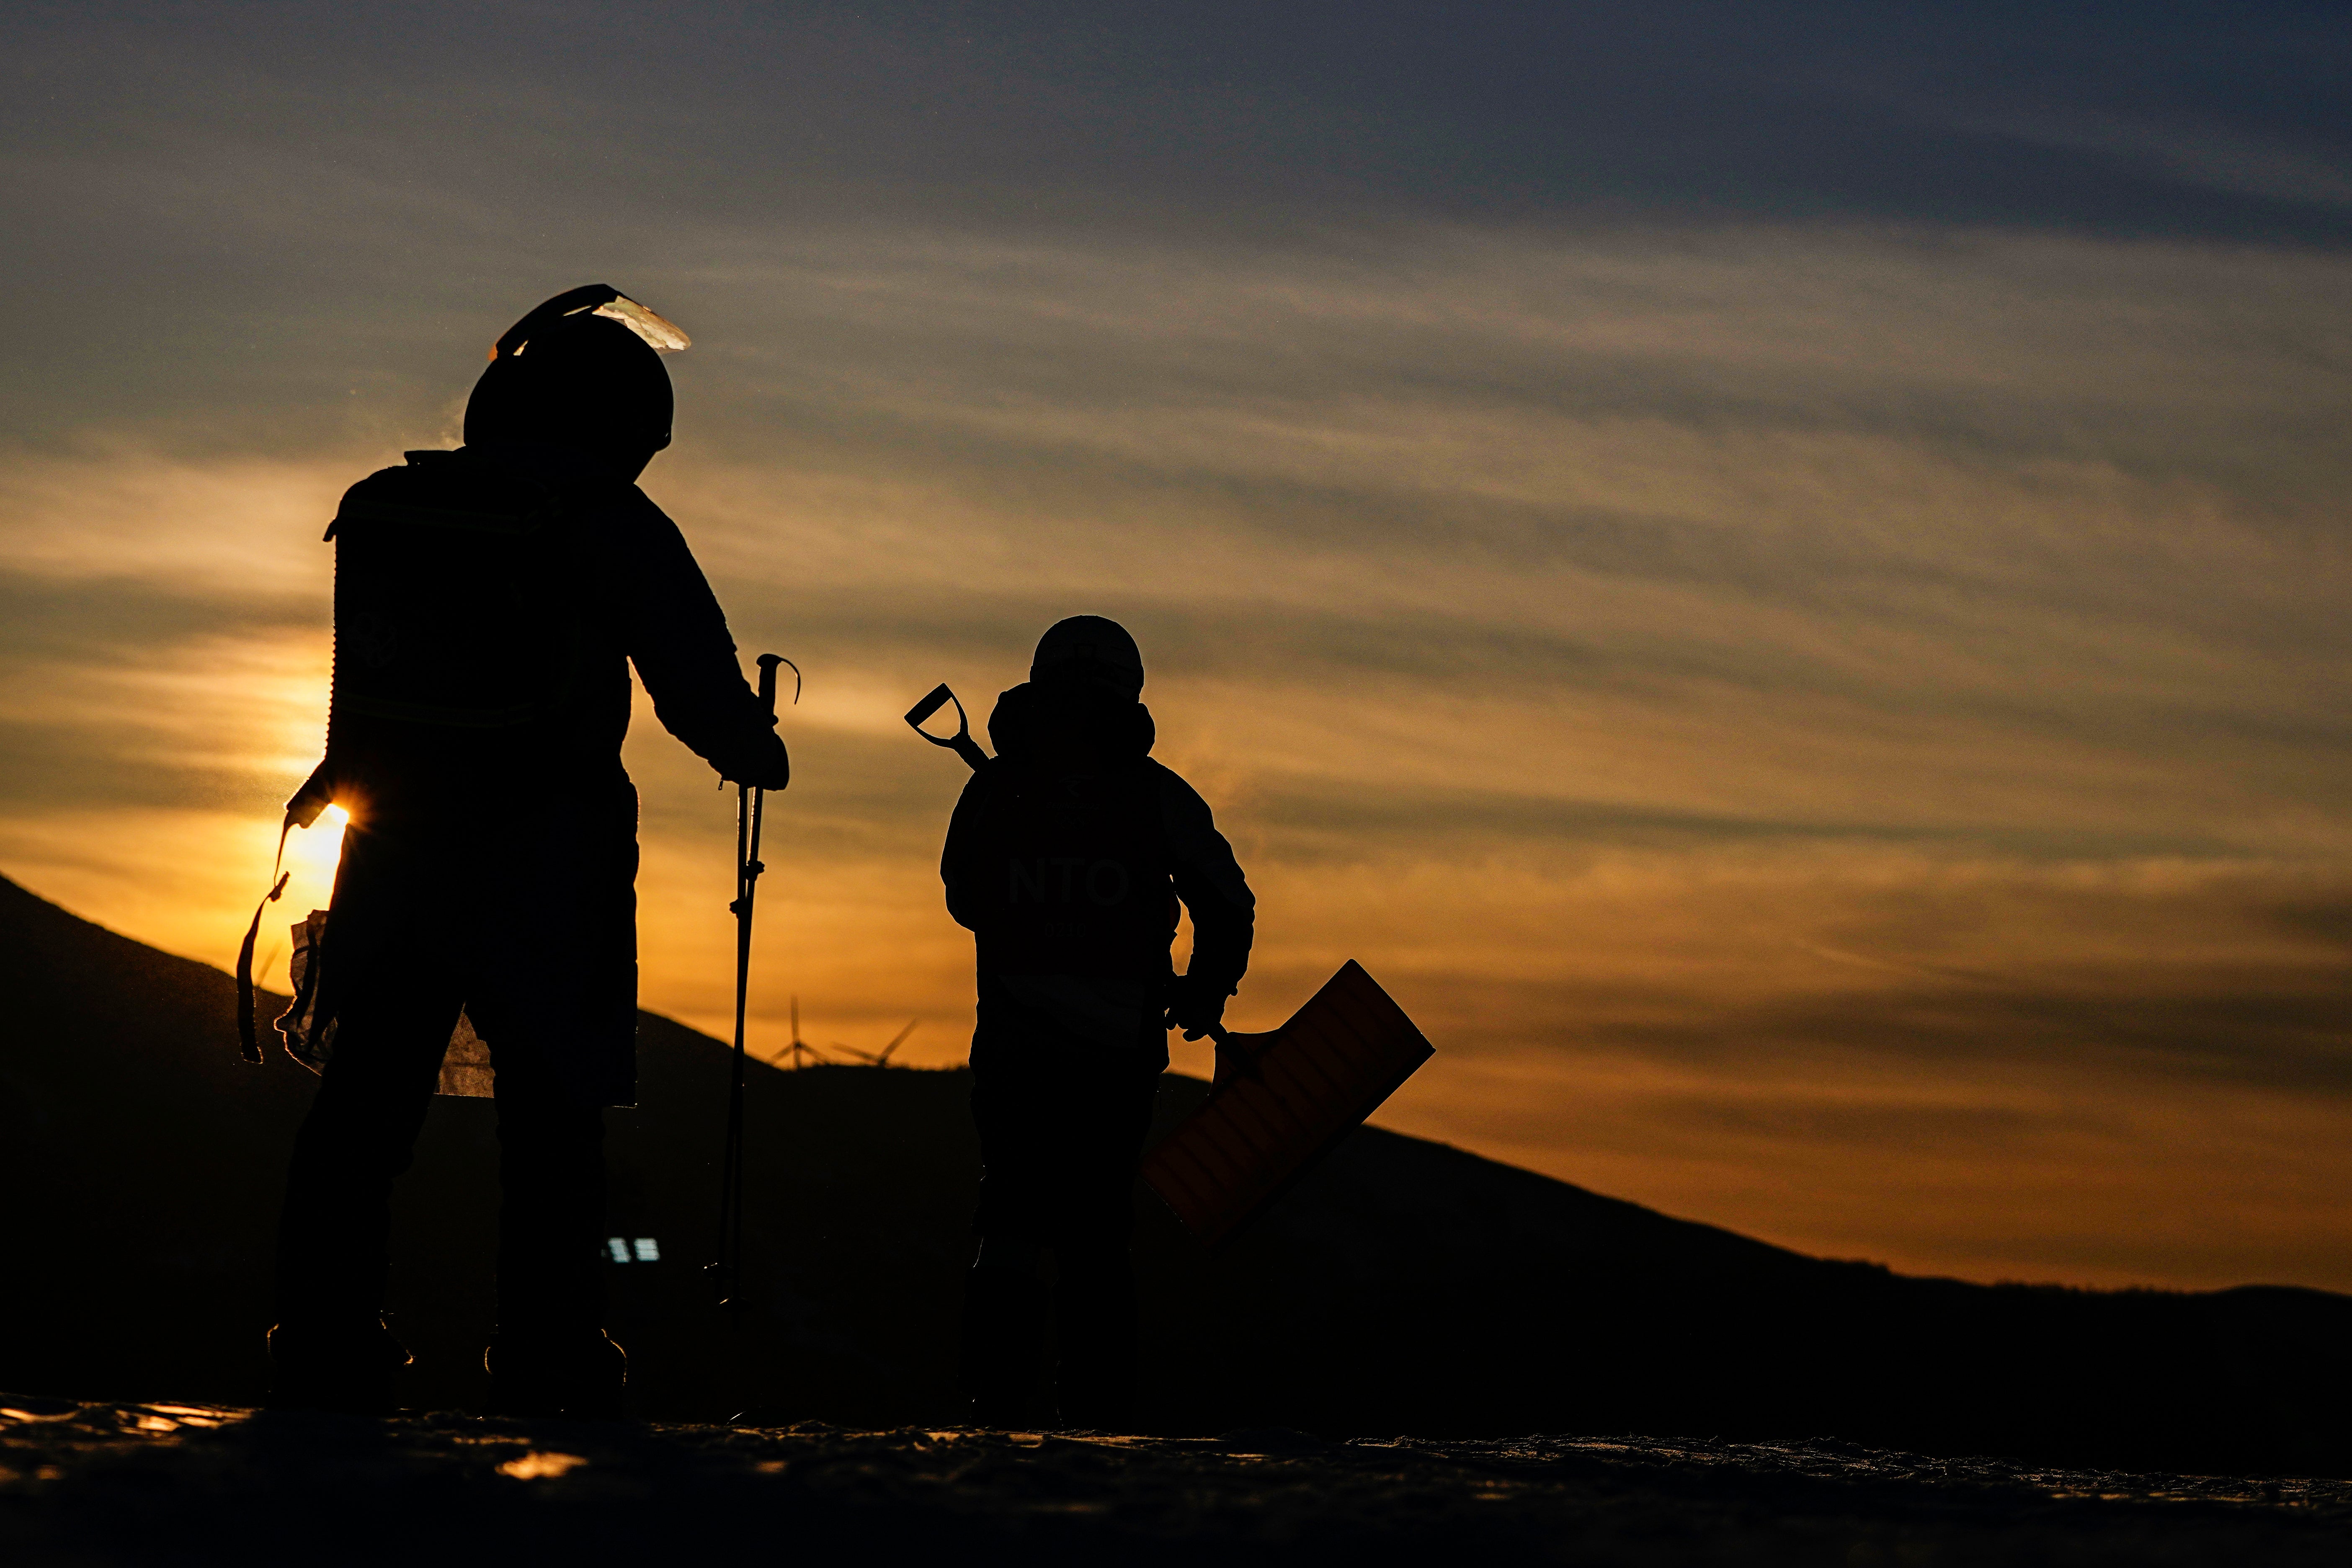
[
  {"x": 761, "y": 761},
  {"x": 1194, "y": 1007},
  {"x": 1236, "y": 1057}
]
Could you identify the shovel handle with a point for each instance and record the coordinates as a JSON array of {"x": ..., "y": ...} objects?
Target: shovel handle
[
  {"x": 939, "y": 697},
  {"x": 960, "y": 743}
]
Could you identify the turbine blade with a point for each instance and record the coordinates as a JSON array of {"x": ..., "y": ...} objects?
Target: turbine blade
[{"x": 895, "y": 1041}]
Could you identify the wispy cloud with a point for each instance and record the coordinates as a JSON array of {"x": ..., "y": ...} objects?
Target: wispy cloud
[{"x": 1833, "y": 718}]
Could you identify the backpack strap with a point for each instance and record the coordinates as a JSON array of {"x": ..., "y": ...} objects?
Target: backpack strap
[{"x": 247, "y": 1046}]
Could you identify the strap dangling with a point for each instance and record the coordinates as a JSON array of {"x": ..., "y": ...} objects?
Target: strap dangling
[{"x": 248, "y": 1045}]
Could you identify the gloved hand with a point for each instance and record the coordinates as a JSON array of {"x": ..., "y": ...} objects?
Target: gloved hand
[
  {"x": 761, "y": 761},
  {"x": 1236, "y": 1057},
  {"x": 1194, "y": 1007}
]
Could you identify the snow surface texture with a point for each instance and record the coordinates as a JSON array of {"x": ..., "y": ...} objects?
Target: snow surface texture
[{"x": 101, "y": 1484}]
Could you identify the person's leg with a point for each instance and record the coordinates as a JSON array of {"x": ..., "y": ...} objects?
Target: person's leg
[
  {"x": 1001, "y": 1361},
  {"x": 551, "y": 1208},
  {"x": 330, "y": 1347},
  {"x": 1001, "y": 1358},
  {"x": 554, "y": 996},
  {"x": 1094, "y": 1291},
  {"x": 1095, "y": 1333},
  {"x": 551, "y": 1353}
]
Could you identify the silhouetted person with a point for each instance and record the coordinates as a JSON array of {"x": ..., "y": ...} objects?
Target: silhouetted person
[
  {"x": 1066, "y": 858},
  {"x": 488, "y": 603}
]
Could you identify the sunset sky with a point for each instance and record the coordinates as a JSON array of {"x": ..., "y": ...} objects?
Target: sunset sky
[{"x": 1778, "y": 573}]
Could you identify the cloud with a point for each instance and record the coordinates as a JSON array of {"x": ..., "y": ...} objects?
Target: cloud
[
  {"x": 286, "y": 209},
  {"x": 1833, "y": 720}
]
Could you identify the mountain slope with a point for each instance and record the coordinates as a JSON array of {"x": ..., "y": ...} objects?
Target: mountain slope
[{"x": 1404, "y": 1287}]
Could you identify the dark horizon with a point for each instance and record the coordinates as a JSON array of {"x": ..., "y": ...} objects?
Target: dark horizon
[{"x": 1402, "y": 1286}]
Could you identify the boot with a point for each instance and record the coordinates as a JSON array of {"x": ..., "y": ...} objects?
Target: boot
[
  {"x": 1003, "y": 1359},
  {"x": 347, "y": 1367},
  {"x": 579, "y": 1373}
]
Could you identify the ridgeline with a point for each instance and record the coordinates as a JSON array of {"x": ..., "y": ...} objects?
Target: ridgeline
[{"x": 1405, "y": 1287}]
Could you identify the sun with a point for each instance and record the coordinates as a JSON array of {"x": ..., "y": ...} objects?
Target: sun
[{"x": 312, "y": 852}]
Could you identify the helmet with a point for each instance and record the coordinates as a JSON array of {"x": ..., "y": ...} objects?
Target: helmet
[
  {"x": 583, "y": 369},
  {"x": 1088, "y": 648}
]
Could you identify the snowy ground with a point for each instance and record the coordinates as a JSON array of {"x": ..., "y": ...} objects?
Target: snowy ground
[{"x": 100, "y": 1483}]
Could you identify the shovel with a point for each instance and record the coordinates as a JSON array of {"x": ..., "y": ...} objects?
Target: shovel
[
  {"x": 1306, "y": 1086},
  {"x": 960, "y": 743}
]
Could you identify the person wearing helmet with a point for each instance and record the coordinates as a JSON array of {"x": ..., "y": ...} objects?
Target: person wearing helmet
[
  {"x": 489, "y": 603},
  {"x": 1068, "y": 858}
]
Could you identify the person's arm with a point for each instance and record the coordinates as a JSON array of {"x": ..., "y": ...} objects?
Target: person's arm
[
  {"x": 958, "y": 870},
  {"x": 678, "y": 638},
  {"x": 1216, "y": 895}
]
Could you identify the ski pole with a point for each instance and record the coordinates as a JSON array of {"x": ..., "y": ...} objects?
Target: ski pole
[{"x": 750, "y": 807}]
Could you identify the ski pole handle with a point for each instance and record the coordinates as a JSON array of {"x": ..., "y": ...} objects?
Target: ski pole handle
[{"x": 768, "y": 662}]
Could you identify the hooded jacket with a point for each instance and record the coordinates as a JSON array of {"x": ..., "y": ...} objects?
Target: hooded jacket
[{"x": 1070, "y": 851}]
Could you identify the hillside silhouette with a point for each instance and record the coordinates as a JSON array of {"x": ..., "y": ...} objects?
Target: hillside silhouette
[{"x": 1404, "y": 1287}]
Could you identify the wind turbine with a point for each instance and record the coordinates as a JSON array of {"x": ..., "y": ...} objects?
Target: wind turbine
[
  {"x": 800, "y": 1048},
  {"x": 880, "y": 1058}
]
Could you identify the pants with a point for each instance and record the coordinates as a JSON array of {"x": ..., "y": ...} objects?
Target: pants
[
  {"x": 335, "y": 1232},
  {"x": 1061, "y": 1122}
]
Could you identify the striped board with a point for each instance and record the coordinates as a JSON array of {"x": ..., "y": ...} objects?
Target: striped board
[{"x": 1318, "y": 1077}]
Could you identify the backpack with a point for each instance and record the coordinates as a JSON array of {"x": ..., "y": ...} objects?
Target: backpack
[
  {"x": 454, "y": 618},
  {"x": 450, "y": 609}
]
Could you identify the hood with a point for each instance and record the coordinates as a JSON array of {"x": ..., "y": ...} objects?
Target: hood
[{"x": 1034, "y": 723}]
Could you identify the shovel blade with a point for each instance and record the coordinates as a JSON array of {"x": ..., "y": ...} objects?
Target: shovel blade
[{"x": 1317, "y": 1077}]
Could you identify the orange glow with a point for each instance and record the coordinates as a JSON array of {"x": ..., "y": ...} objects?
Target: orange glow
[{"x": 1909, "y": 837}]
